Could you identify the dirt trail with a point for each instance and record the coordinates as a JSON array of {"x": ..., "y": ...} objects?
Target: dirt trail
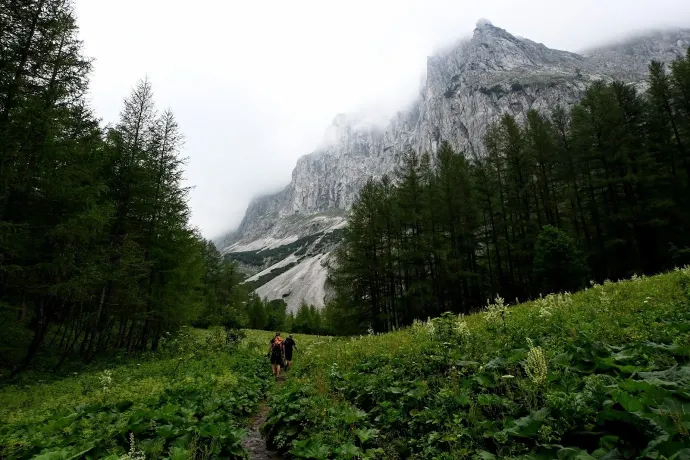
[{"x": 254, "y": 442}]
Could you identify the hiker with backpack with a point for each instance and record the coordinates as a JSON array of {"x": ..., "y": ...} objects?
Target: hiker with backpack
[
  {"x": 288, "y": 345},
  {"x": 277, "y": 353}
]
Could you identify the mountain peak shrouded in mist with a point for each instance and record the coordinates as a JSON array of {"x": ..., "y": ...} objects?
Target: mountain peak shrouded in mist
[
  {"x": 467, "y": 89},
  {"x": 483, "y": 22}
]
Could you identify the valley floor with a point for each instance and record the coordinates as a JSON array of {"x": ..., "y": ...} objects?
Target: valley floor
[{"x": 604, "y": 373}]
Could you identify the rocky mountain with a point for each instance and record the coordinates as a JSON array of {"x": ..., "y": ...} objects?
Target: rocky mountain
[{"x": 288, "y": 237}]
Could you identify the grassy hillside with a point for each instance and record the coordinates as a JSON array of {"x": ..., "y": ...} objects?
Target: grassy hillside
[
  {"x": 191, "y": 400},
  {"x": 603, "y": 374}
]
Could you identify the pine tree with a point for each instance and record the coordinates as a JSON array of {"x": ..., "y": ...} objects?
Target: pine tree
[{"x": 558, "y": 264}]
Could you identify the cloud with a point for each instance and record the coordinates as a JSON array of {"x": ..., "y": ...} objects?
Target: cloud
[{"x": 255, "y": 84}]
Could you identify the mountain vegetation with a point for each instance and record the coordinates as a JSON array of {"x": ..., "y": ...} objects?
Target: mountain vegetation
[
  {"x": 192, "y": 399},
  {"x": 96, "y": 250},
  {"x": 598, "y": 192},
  {"x": 600, "y": 374}
]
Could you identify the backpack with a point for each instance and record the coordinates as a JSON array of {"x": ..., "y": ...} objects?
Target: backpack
[{"x": 277, "y": 345}]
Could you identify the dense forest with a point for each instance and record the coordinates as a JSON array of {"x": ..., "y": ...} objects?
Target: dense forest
[
  {"x": 96, "y": 249},
  {"x": 549, "y": 203}
]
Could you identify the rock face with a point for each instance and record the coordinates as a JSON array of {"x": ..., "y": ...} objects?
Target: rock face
[{"x": 467, "y": 89}]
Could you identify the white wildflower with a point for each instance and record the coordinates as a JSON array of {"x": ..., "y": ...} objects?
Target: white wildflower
[
  {"x": 430, "y": 327},
  {"x": 536, "y": 366},
  {"x": 497, "y": 311},
  {"x": 544, "y": 307},
  {"x": 106, "y": 379},
  {"x": 134, "y": 453},
  {"x": 460, "y": 327},
  {"x": 334, "y": 370}
]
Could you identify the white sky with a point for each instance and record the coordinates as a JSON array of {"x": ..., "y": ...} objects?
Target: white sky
[{"x": 254, "y": 84}]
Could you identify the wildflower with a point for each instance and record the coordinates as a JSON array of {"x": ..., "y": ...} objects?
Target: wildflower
[
  {"x": 106, "y": 379},
  {"x": 536, "y": 366},
  {"x": 604, "y": 299},
  {"x": 134, "y": 453},
  {"x": 460, "y": 327},
  {"x": 334, "y": 370},
  {"x": 497, "y": 311},
  {"x": 544, "y": 307},
  {"x": 546, "y": 434},
  {"x": 430, "y": 327},
  {"x": 501, "y": 437}
]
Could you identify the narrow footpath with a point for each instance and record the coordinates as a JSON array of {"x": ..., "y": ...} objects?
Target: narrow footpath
[{"x": 254, "y": 443}]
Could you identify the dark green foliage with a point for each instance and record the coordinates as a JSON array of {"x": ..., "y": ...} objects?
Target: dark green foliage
[
  {"x": 613, "y": 176},
  {"x": 257, "y": 313},
  {"x": 409, "y": 248},
  {"x": 203, "y": 407},
  {"x": 265, "y": 278},
  {"x": 615, "y": 383},
  {"x": 558, "y": 264},
  {"x": 273, "y": 316},
  {"x": 277, "y": 314},
  {"x": 96, "y": 250},
  {"x": 310, "y": 320},
  {"x": 223, "y": 295},
  {"x": 299, "y": 248}
]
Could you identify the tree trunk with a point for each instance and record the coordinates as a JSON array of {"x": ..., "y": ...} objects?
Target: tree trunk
[{"x": 40, "y": 329}]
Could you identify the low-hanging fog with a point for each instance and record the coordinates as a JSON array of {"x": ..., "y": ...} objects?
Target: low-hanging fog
[{"x": 255, "y": 84}]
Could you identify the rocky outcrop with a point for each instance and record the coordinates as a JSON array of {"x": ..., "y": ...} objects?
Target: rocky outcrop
[
  {"x": 303, "y": 283},
  {"x": 467, "y": 89}
]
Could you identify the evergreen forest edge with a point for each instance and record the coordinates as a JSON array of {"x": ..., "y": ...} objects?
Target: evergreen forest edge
[{"x": 549, "y": 204}]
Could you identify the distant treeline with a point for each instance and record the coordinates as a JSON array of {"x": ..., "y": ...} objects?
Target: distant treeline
[
  {"x": 273, "y": 316},
  {"x": 600, "y": 192}
]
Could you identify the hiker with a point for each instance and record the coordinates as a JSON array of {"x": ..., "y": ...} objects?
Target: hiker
[
  {"x": 289, "y": 344},
  {"x": 277, "y": 353}
]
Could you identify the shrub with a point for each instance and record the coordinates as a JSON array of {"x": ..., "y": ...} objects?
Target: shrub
[{"x": 558, "y": 264}]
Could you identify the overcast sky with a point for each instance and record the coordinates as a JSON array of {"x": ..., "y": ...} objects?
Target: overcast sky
[{"x": 254, "y": 84}]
